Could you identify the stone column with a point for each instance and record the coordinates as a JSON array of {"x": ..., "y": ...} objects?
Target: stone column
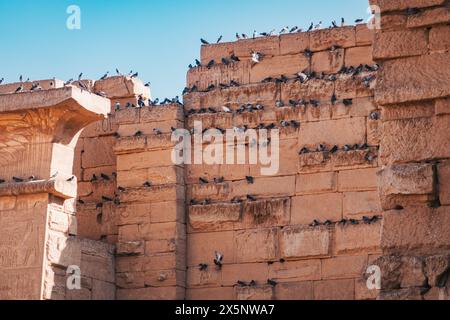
[
  {"x": 151, "y": 249},
  {"x": 38, "y": 132}
]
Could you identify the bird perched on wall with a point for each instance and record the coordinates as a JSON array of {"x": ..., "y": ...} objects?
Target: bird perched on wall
[
  {"x": 311, "y": 26},
  {"x": 80, "y": 76},
  {"x": 256, "y": 57},
  {"x": 226, "y": 109},
  {"x": 203, "y": 181},
  {"x": 121, "y": 189},
  {"x": 20, "y": 78},
  {"x": 105, "y": 177},
  {"x": 19, "y": 89},
  {"x": 219, "y": 180},
  {"x": 157, "y": 131},
  {"x": 374, "y": 116},
  {"x": 333, "y": 99},
  {"x": 218, "y": 259},
  {"x": 1, "y": 80},
  {"x": 35, "y": 86},
  {"x": 315, "y": 223},
  {"x": 147, "y": 184},
  {"x": 342, "y": 22},
  {"x": 347, "y": 102},
  {"x": 334, "y": 24},
  {"x": 71, "y": 179},
  {"x": 272, "y": 282},
  {"x": 318, "y": 26},
  {"x": 241, "y": 283},
  {"x": 251, "y": 198},
  {"x": 250, "y": 179},
  {"x": 68, "y": 82},
  {"x": 359, "y": 20},
  {"x": 203, "y": 41},
  {"x": 210, "y": 64},
  {"x": 139, "y": 134},
  {"x": 308, "y": 53},
  {"x": 105, "y": 76},
  {"x": 118, "y": 72},
  {"x": 134, "y": 75},
  {"x": 203, "y": 266},
  {"x": 220, "y": 39},
  {"x": 234, "y": 58},
  {"x": 117, "y": 106},
  {"x": 238, "y": 37}
]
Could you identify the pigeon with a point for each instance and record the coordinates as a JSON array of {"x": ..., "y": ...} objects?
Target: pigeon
[
  {"x": 334, "y": 149},
  {"x": 68, "y": 82},
  {"x": 238, "y": 37},
  {"x": 256, "y": 57},
  {"x": 279, "y": 104},
  {"x": 147, "y": 84},
  {"x": 234, "y": 83},
  {"x": 225, "y": 61},
  {"x": 80, "y": 201},
  {"x": 157, "y": 131},
  {"x": 347, "y": 102},
  {"x": 343, "y": 222},
  {"x": 2, "y": 181},
  {"x": 198, "y": 63},
  {"x": 334, "y": 24},
  {"x": 234, "y": 58},
  {"x": 54, "y": 175},
  {"x": 117, "y": 106},
  {"x": 226, "y": 109},
  {"x": 80, "y": 76},
  {"x": 35, "y": 86},
  {"x": 105, "y": 177},
  {"x": 106, "y": 199},
  {"x": 321, "y": 148},
  {"x": 147, "y": 184},
  {"x": 71, "y": 179},
  {"x": 252, "y": 283},
  {"x": 284, "y": 30},
  {"x": 251, "y": 198},
  {"x": 271, "y": 282},
  {"x": 367, "y": 220},
  {"x": 315, "y": 223},
  {"x": 333, "y": 99},
  {"x": 121, "y": 189},
  {"x": 295, "y": 124},
  {"x": 19, "y": 89},
  {"x": 250, "y": 179},
  {"x": 308, "y": 53},
  {"x": 105, "y": 76},
  {"x": 210, "y": 64},
  {"x": 139, "y": 134},
  {"x": 218, "y": 259},
  {"x": 20, "y": 78},
  {"x": 1, "y": 80},
  {"x": 135, "y": 75},
  {"x": 17, "y": 180},
  {"x": 328, "y": 223},
  {"x": 294, "y": 29},
  {"x": 359, "y": 20},
  {"x": 203, "y": 181},
  {"x": 220, "y": 39},
  {"x": 203, "y": 266},
  {"x": 342, "y": 22},
  {"x": 374, "y": 116},
  {"x": 94, "y": 178},
  {"x": 242, "y": 283},
  {"x": 304, "y": 151},
  {"x": 310, "y": 27},
  {"x": 318, "y": 26},
  {"x": 219, "y": 180},
  {"x": 347, "y": 148},
  {"x": 203, "y": 41}
]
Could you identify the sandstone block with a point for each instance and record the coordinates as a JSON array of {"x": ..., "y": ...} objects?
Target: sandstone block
[
  {"x": 248, "y": 246},
  {"x": 324, "y": 39},
  {"x": 303, "y": 242},
  {"x": 359, "y": 238},
  {"x": 323, "y": 207},
  {"x": 402, "y": 43},
  {"x": 334, "y": 289}
]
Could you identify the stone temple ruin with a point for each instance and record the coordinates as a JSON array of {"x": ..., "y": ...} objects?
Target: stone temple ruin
[{"x": 87, "y": 188}]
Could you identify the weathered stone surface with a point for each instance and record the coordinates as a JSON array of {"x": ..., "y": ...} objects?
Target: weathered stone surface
[
  {"x": 414, "y": 78},
  {"x": 323, "y": 207},
  {"x": 439, "y": 38},
  {"x": 388, "y": 5},
  {"x": 214, "y": 216},
  {"x": 415, "y": 140},
  {"x": 349, "y": 240},
  {"x": 248, "y": 245},
  {"x": 402, "y": 43},
  {"x": 416, "y": 230},
  {"x": 358, "y": 55},
  {"x": 324, "y": 39},
  {"x": 334, "y": 289},
  {"x": 254, "y": 293},
  {"x": 328, "y": 62},
  {"x": 120, "y": 86},
  {"x": 294, "y": 291},
  {"x": 303, "y": 242},
  {"x": 437, "y": 270},
  {"x": 429, "y": 17},
  {"x": 294, "y": 43},
  {"x": 405, "y": 180},
  {"x": 279, "y": 65},
  {"x": 444, "y": 182}
]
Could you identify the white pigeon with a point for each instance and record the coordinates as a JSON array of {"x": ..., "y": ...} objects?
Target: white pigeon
[
  {"x": 256, "y": 57},
  {"x": 226, "y": 109}
]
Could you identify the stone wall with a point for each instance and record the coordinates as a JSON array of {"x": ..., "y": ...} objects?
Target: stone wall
[
  {"x": 271, "y": 238},
  {"x": 412, "y": 48}
]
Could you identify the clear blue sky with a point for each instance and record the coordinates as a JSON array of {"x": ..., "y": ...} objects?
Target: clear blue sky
[{"x": 157, "y": 38}]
